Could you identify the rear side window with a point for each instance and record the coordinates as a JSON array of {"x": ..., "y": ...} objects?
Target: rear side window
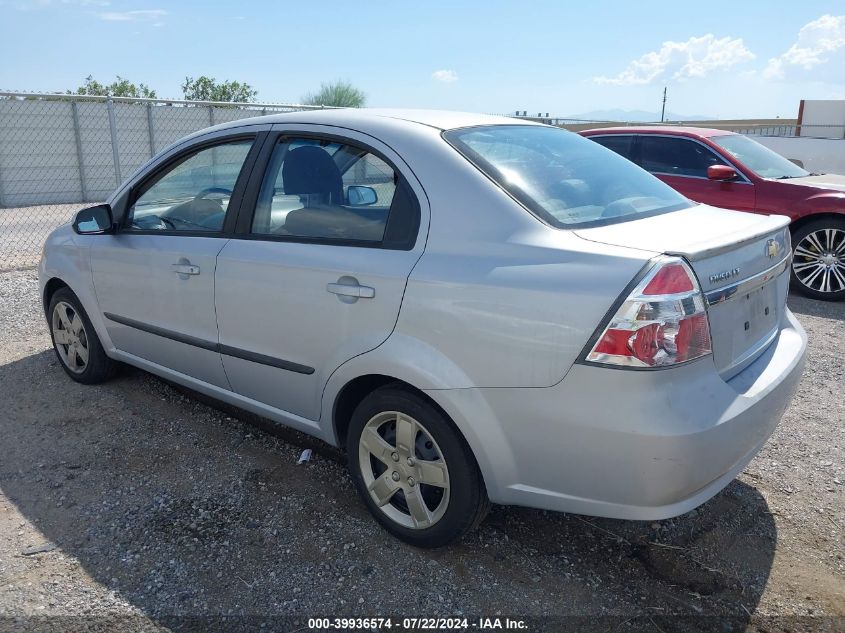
[
  {"x": 676, "y": 156},
  {"x": 622, "y": 144},
  {"x": 331, "y": 191}
]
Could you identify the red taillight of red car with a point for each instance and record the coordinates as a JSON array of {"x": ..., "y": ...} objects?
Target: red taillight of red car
[{"x": 662, "y": 322}]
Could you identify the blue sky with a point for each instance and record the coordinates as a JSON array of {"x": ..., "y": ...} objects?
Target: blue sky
[{"x": 725, "y": 59}]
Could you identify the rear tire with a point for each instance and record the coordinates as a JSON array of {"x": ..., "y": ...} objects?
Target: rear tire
[
  {"x": 75, "y": 342},
  {"x": 413, "y": 470},
  {"x": 818, "y": 259}
]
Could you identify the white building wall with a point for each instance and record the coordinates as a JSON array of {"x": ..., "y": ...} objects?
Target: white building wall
[
  {"x": 823, "y": 118},
  {"x": 822, "y": 155}
]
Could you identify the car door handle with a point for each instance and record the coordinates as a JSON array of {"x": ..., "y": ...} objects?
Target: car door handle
[
  {"x": 185, "y": 269},
  {"x": 348, "y": 290}
]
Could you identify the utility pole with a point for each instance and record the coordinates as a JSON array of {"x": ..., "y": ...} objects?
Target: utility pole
[{"x": 663, "y": 109}]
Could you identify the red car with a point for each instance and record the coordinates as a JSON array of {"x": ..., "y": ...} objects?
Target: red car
[{"x": 732, "y": 171}]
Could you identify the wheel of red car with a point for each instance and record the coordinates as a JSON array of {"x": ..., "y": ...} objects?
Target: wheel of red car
[{"x": 818, "y": 263}]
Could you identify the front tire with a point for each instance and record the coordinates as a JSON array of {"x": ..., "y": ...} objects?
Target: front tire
[
  {"x": 818, "y": 259},
  {"x": 75, "y": 342},
  {"x": 413, "y": 470}
]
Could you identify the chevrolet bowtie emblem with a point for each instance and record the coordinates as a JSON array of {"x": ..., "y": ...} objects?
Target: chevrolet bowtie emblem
[{"x": 772, "y": 249}]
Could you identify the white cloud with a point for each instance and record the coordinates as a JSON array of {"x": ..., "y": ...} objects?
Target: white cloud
[
  {"x": 130, "y": 16},
  {"x": 818, "y": 41},
  {"x": 697, "y": 57},
  {"x": 446, "y": 76}
]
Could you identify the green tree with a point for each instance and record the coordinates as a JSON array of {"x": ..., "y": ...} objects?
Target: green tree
[
  {"x": 341, "y": 94},
  {"x": 119, "y": 88},
  {"x": 208, "y": 89}
]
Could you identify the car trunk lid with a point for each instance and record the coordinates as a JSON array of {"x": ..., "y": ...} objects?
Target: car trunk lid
[{"x": 741, "y": 261}]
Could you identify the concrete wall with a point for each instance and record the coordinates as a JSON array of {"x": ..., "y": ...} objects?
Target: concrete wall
[
  {"x": 61, "y": 151},
  {"x": 57, "y": 151}
]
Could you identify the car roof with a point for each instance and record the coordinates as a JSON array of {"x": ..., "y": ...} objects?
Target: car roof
[
  {"x": 676, "y": 130},
  {"x": 440, "y": 119}
]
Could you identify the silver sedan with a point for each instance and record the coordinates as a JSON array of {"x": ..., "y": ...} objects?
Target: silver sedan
[{"x": 478, "y": 309}]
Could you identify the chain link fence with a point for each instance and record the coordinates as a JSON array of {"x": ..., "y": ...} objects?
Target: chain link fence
[{"x": 59, "y": 153}]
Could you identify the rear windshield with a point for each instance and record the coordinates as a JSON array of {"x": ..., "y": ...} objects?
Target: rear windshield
[{"x": 563, "y": 178}]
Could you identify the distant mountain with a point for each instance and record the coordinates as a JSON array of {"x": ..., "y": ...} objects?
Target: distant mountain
[{"x": 639, "y": 116}]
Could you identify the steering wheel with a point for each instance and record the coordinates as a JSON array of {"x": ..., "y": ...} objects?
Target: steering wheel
[
  {"x": 153, "y": 222},
  {"x": 208, "y": 190},
  {"x": 167, "y": 222}
]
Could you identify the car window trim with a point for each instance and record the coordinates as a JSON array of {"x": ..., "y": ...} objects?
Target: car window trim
[
  {"x": 745, "y": 180},
  {"x": 149, "y": 180},
  {"x": 249, "y": 201},
  {"x": 732, "y": 182}
]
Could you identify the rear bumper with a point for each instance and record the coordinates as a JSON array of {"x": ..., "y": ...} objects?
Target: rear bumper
[{"x": 630, "y": 444}]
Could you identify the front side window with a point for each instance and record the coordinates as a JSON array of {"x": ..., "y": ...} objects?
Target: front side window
[
  {"x": 194, "y": 194},
  {"x": 563, "y": 178},
  {"x": 676, "y": 156},
  {"x": 759, "y": 158},
  {"x": 327, "y": 190}
]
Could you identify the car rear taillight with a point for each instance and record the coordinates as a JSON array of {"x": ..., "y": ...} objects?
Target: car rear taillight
[{"x": 662, "y": 322}]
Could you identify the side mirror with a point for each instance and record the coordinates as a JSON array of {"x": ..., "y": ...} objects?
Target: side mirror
[
  {"x": 721, "y": 172},
  {"x": 358, "y": 196},
  {"x": 94, "y": 220}
]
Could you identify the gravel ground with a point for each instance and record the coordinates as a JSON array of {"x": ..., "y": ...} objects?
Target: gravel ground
[{"x": 136, "y": 504}]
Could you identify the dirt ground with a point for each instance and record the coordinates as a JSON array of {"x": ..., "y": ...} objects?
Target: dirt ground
[{"x": 136, "y": 505}]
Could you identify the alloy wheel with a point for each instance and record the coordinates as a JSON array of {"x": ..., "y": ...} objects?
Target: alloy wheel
[
  {"x": 819, "y": 260},
  {"x": 70, "y": 337},
  {"x": 404, "y": 470}
]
